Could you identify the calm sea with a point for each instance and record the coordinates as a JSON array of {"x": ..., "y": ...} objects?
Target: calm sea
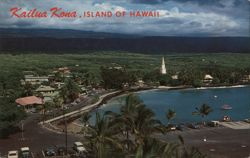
[{"x": 184, "y": 103}]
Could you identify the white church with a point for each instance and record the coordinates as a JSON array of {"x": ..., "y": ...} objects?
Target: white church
[
  {"x": 163, "y": 67},
  {"x": 163, "y": 70}
]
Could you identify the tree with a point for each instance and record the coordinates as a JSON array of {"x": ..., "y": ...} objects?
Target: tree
[
  {"x": 90, "y": 79},
  {"x": 135, "y": 120},
  {"x": 85, "y": 118},
  {"x": 203, "y": 111},
  {"x": 10, "y": 115},
  {"x": 170, "y": 115},
  {"x": 145, "y": 124},
  {"x": 197, "y": 83},
  {"x": 85, "y": 121},
  {"x": 137, "y": 124},
  {"x": 70, "y": 91},
  {"x": 164, "y": 79},
  {"x": 28, "y": 89},
  {"x": 189, "y": 152},
  {"x": 114, "y": 78},
  {"x": 58, "y": 101},
  {"x": 101, "y": 137},
  {"x": 4, "y": 88},
  {"x": 46, "y": 107},
  {"x": 152, "y": 77},
  {"x": 152, "y": 147},
  {"x": 126, "y": 119}
]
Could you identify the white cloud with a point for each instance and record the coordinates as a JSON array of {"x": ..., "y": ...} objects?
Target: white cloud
[{"x": 175, "y": 20}]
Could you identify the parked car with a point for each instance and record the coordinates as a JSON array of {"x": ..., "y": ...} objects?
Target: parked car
[
  {"x": 213, "y": 123},
  {"x": 61, "y": 150},
  {"x": 171, "y": 127},
  {"x": 50, "y": 152},
  {"x": 13, "y": 154},
  {"x": 193, "y": 126},
  {"x": 25, "y": 152},
  {"x": 79, "y": 148},
  {"x": 247, "y": 120},
  {"x": 180, "y": 127}
]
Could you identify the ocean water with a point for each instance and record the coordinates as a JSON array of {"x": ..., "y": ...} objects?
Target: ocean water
[{"x": 184, "y": 103}]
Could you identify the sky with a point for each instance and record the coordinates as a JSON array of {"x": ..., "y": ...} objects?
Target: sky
[{"x": 177, "y": 17}]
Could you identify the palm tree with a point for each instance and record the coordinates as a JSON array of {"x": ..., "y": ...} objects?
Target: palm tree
[
  {"x": 128, "y": 113},
  {"x": 70, "y": 91},
  {"x": 136, "y": 120},
  {"x": 58, "y": 101},
  {"x": 145, "y": 124},
  {"x": 46, "y": 107},
  {"x": 4, "y": 85},
  {"x": 125, "y": 120},
  {"x": 152, "y": 147},
  {"x": 85, "y": 121},
  {"x": 170, "y": 115},
  {"x": 203, "y": 111},
  {"x": 189, "y": 152},
  {"x": 85, "y": 118},
  {"x": 102, "y": 137}
]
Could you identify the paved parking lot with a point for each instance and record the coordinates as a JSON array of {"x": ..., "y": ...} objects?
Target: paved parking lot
[{"x": 236, "y": 125}]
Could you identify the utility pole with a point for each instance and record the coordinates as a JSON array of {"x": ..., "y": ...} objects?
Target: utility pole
[
  {"x": 22, "y": 128},
  {"x": 65, "y": 130}
]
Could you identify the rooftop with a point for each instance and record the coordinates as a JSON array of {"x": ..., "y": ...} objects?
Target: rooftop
[
  {"x": 29, "y": 100},
  {"x": 44, "y": 88}
]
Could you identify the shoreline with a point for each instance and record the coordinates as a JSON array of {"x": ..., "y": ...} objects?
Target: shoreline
[{"x": 72, "y": 116}]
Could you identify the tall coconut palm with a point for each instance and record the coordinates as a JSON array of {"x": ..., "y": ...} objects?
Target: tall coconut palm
[
  {"x": 170, "y": 115},
  {"x": 128, "y": 113},
  {"x": 152, "y": 147},
  {"x": 125, "y": 120},
  {"x": 102, "y": 137},
  {"x": 85, "y": 118},
  {"x": 145, "y": 124},
  {"x": 137, "y": 120},
  {"x": 188, "y": 152},
  {"x": 85, "y": 121},
  {"x": 4, "y": 85},
  {"x": 203, "y": 111}
]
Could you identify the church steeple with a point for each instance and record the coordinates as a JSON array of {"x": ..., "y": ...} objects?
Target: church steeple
[{"x": 163, "y": 66}]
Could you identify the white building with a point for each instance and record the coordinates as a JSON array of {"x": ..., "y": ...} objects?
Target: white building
[
  {"x": 208, "y": 78},
  {"x": 34, "y": 80},
  {"x": 163, "y": 67}
]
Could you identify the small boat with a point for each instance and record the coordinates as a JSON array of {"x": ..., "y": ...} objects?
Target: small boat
[
  {"x": 226, "y": 119},
  {"x": 215, "y": 96},
  {"x": 226, "y": 107}
]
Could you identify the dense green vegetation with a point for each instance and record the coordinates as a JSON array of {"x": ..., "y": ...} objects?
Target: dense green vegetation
[
  {"x": 10, "y": 115},
  {"x": 44, "y": 63}
]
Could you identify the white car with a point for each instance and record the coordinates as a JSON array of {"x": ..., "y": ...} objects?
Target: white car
[
  {"x": 25, "y": 152},
  {"x": 78, "y": 147},
  {"x": 13, "y": 154}
]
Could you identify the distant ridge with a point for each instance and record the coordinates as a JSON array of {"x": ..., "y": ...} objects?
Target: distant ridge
[
  {"x": 57, "y": 33},
  {"x": 57, "y": 41}
]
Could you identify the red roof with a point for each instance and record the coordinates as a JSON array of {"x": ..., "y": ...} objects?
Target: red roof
[{"x": 29, "y": 100}]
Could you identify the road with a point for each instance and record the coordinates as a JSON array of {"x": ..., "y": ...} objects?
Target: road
[
  {"x": 83, "y": 109},
  {"x": 36, "y": 138}
]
